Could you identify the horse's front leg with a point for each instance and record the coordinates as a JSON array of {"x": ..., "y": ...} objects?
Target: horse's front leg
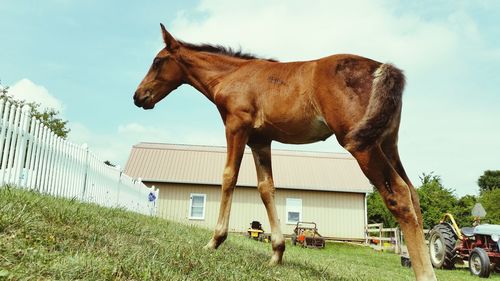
[
  {"x": 237, "y": 138},
  {"x": 262, "y": 157}
]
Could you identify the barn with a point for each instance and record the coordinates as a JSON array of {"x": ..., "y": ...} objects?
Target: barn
[{"x": 327, "y": 188}]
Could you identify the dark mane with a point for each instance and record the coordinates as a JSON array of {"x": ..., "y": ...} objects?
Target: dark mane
[{"x": 222, "y": 50}]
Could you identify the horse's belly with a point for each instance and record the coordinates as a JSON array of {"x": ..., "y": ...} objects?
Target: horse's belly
[{"x": 299, "y": 132}]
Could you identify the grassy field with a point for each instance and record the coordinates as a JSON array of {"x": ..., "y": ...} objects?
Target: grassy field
[{"x": 44, "y": 238}]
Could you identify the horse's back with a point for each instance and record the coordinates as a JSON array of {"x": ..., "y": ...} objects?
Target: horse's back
[{"x": 301, "y": 102}]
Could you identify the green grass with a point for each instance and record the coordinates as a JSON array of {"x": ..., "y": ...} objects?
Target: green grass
[{"x": 45, "y": 238}]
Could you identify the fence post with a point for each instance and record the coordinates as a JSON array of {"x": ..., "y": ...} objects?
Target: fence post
[
  {"x": 30, "y": 154},
  {"x": 12, "y": 149},
  {"x": 85, "y": 170},
  {"x": 156, "y": 192},
  {"x": 136, "y": 190},
  {"x": 367, "y": 235},
  {"x": 23, "y": 139},
  {"x": 402, "y": 241},
  {"x": 397, "y": 249},
  {"x": 118, "y": 186},
  {"x": 50, "y": 160},
  {"x": 381, "y": 244},
  {"x": 4, "y": 125},
  {"x": 42, "y": 155}
]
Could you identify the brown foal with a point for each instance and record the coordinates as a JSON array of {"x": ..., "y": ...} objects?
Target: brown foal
[{"x": 355, "y": 98}]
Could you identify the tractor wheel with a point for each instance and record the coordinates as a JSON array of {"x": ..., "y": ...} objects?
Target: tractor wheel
[
  {"x": 261, "y": 237},
  {"x": 479, "y": 263},
  {"x": 294, "y": 239},
  {"x": 442, "y": 243},
  {"x": 405, "y": 261}
]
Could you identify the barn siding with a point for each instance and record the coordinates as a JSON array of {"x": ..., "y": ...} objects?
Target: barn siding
[{"x": 338, "y": 214}]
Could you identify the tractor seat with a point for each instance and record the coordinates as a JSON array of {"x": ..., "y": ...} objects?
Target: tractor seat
[
  {"x": 468, "y": 231},
  {"x": 256, "y": 225}
]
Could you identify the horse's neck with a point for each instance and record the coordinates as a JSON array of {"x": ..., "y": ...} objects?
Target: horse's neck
[{"x": 205, "y": 70}]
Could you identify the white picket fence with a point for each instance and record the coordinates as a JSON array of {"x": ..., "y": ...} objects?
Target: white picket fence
[{"x": 34, "y": 158}]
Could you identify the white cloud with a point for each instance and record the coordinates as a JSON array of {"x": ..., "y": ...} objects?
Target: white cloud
[
  {"x": 25, "y": 89},
  {"x": 297, "y": 30},
  {"x": 115, "y": 145},
  {"x": 145, "y": 133}
]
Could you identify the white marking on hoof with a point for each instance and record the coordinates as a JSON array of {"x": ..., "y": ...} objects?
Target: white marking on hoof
[
  {"x": 275, "y": 260},
  {"x": 210, "y": 245}
]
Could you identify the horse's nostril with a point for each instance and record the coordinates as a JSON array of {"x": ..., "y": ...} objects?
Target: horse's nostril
[
  {"x": 136, "y": 102},
  {"x": 138, "y": 99},
  {"x": 142, "y": 97}
]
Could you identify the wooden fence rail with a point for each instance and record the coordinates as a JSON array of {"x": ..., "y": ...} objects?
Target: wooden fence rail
[
  {"x": 387, "y": 238},
  {"x": 33, "y": 157}
]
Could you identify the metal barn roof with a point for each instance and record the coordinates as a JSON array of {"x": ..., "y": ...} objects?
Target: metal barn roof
[{"x": 158, "y": 162}]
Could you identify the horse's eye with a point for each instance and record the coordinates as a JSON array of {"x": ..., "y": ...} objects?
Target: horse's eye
[{"x": 156, "y": 62}]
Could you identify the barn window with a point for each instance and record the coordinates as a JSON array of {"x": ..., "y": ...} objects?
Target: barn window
[
  {"x": 293, "y": 210},
  {"x": 197, "y": 206}
]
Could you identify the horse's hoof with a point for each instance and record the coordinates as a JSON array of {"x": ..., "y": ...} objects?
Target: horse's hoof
[
  {"x": 275, "y": 261},
  {"x": 210, "y": 246}
]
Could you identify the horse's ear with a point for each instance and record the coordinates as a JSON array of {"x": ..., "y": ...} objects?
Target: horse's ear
[{"x": 169, "y": 40}]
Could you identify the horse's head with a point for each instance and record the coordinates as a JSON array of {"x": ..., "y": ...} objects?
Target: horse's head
[{"x": 164, "y": 75}]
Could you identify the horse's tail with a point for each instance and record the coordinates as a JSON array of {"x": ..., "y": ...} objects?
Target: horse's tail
[{"x": 384, "y": 105}]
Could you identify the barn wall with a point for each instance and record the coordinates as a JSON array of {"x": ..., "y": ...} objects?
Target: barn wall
[{"x": 337, "y": 214}]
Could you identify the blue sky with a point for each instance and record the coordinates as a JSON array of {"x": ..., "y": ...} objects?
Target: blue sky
[{"x": 86, "y": 59}]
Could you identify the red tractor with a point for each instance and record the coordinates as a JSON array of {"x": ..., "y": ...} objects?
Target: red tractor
[{"x": 479, "y": 245}]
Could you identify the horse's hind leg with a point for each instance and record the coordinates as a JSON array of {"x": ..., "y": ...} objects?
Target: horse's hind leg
[
  {"x": 390, "y": 149},
  {"x": 398, "y": 199},
  {"x": 262, "y": 158}
]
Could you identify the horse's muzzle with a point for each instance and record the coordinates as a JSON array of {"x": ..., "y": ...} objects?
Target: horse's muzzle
[{"x": 144, "y": 100}]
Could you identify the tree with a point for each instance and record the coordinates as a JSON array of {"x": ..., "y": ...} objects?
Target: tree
[
  {"x": 489, "y": 180},
  {"x": 50, "y": 119},
  {"x": 490, "y": 201},
  {"x": 463, "y": 209},
  {"x": 48, "y": 116},
  {"x": 3, "y": 90},
  {"x": 435, "y": 199},
  {"x": 377, "y": 211}
]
